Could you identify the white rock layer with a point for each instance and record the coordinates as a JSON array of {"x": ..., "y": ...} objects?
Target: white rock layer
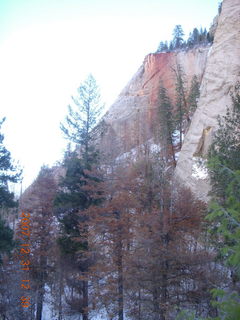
[{"x": 221, "y": 74}]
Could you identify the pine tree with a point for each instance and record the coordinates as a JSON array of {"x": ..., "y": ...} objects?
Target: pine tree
[
  {"x": 161, "y": 47},
  {"x": 77, "y": 192},
  {"x": 8, "y": 173},
  {"x": 178, "y": 37},
  {"x": 181, "y": 102},
  {"x": 6, "y": 239},
  {"x": 75, "y": 195},
  {"x": 195, "y": 36},
  {"x": 224, "y": 210},
  {"x": 171, "y": 46},
  {"x": 165, "y": 112},
  {"x": 193, "y": 95},
  {"x": 81, "y": 120}
]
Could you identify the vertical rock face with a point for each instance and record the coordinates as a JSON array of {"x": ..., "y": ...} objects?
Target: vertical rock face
[
  {"x": 221, "y": 74},
  {"x": 130, "y": 120}
]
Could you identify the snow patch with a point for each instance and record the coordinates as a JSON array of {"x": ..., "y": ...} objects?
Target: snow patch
[{"x": 199, "y": 169}]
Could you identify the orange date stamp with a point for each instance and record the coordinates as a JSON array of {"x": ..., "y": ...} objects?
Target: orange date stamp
[{"x": 24, "y": 254}]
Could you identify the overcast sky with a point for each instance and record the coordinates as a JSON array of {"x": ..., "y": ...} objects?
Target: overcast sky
[{"x": 47, "y": 47}]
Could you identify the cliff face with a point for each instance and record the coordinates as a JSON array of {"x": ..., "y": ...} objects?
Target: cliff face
[
  {"x": 221, "y": 74},
  {"x": 130, "y": 120}
]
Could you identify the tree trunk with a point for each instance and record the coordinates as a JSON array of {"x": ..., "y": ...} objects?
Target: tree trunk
[
  {"x": 139, "y": 304},
  {"x": 120, "y": 289},
  {"x": 40, "y": 291},
  {"x": 120, "y": 270},
  {"x": 60, "y": 295},
  {"x": 40, "y": 295},
  {"x": 156, "y": 308},
  {"x": 85, "y": 300},
  {"x": 163, "y": 294}
]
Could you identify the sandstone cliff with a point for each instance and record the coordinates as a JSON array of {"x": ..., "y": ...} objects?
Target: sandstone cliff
[
  {"x": 221, "y": 74},
  {"x": 130, "y": 120}
]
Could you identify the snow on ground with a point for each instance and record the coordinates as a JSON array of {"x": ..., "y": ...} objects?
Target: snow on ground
[{"x": 199, "y": 170}]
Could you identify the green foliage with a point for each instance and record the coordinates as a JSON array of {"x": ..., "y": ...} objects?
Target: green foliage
[
  {"x": 81, "y": 119},
  {"x": 196, "y": 37},
  {"x": 187, "y": 315},
  {"x": 6, "y": 238},
  {"x": 228, "y": 304},
  {"x": 224, "y": 169},
  {"x": 178, "y": 36},
  {"x": 8, "y": 173},
  {"x": 166, "y": 124},
  {"x": 76, "y": 194},
  {"x": 224, "y": 210},
  {"x": 163, "y": 47},
  {"x": 181, "y": 109},
  {"x": 165, "y": 115},
  {"x": 72, "y": 194},
  {"x": 224, "y": 158},
  {"x": 194, "y": 94}
]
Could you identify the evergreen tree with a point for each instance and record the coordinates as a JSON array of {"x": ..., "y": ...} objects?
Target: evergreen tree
[
  {"x": 77, "y": 190},
  {"x": 161, "y": 47},
  {"x": 8, "y": 173},
  {"x": 166, "y": 46},
  {"x": 166, "y": 122},
  {"x": 81, "y": 120},
  {"x": 195, "y": 36},
  {"x": 178, "y": 37},
  {"x": 181, "y": 102},
  {"x": 190, "y": 40},
  {"x": 210, "y": 38},
  {"x": 194, "y": 94},
  {"x": 224, "y": 210},
  {"x": 6, "y": 239},
  {"x": 171, "y": 47}
]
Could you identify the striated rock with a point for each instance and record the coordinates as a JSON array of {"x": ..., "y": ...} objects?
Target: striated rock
[
  {"x": 221, "y": 74},
  {"x": 130, "y": 120}
]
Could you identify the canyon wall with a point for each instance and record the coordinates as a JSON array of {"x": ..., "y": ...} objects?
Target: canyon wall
[
  {"x": 221, "y": 74},
  {"x": 130, "y": 121}
]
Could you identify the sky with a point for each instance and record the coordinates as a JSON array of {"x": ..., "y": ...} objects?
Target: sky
[{"x": 48, "y": 47}]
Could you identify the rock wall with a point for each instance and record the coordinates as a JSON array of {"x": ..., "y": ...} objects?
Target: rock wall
[
  {"x": 221, "y": 74},
  {"x": 130, "y": 120}
]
